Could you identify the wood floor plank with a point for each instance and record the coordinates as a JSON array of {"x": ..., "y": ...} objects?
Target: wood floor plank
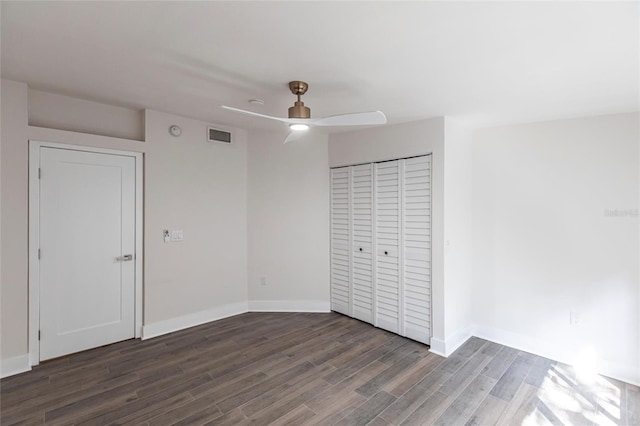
[
  {"x": 361, "y": 361},
  {"x": 415, "y": 397},
  {"x": 470, "y": 347},
  {"x": 512, "y": 378},
  {"x": 294, "y": 386},
  {"x": 369, "y": 410},
  {"x": 334, "y": 398},
  {"x": 463, "y": 407},
  {"x": 461, "y": 378},
  {"x": 523, "y": 403},
  {"x": 220, "y": 390},
  {"x": 402, "y": 351},
  {"x": 232, "y": 418},
  {"x": 500, "y": 362},
  {"x": 295, "y": 417},
  {"x": 246, "y": 395},
  {"x": 132, "y": 411},
  {"x": 195, "y": 411},
  {"x": 403, "y": 382},
  {"x": 427, "y": 412},
  {"x": 539, "y": 371},
  {"x": 396, "y": 369},
  {"x": 288, "y": 402},
  {"x": 307, "y": 369},
  {"x": 378, "y": 421},
  {"x": 339, "y": 409},
  {"x": 48, "y": 396},
  {"x": 488, "y": 412}
]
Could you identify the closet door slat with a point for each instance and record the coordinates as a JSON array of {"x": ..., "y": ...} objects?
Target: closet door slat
[
  {"x": 387, "y": 212},
  {"x": 416, "y": 233},
  {"x": 340, "y": 241},
  {"x": 362, "y": 218}
]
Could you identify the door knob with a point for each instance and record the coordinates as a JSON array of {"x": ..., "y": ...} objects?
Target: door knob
[
  {"x": 386, "y": 252},
  {"x": 125, "y": 258},
  {"x": 360, "y": 248}
]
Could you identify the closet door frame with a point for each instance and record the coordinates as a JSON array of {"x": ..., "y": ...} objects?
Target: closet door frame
[{"x": 374, "y": 246}]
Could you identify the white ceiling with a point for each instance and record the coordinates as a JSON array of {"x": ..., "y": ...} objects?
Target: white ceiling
[{"x": 485, "y": 63}]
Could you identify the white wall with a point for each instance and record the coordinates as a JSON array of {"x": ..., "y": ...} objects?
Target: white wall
[
  {"x": 15, "y": 136},
  {"x": 543, "y": 243},
  {"x": 14, "y": 196},
  {"x": 199, "y": 187},
  {"x": 78, "y": 115},
  {"x": 288, "y": 222},
  {"x": 190, "y": 184},
  {"x": 398, "y": 141},
  {"x": 458, "y": 218}
]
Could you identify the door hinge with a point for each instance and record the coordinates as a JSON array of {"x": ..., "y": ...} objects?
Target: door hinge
[
  {"x": 39, "y": 172},
  {"x": 38, "y": 334},
  {"x": 38, "y": 254}
]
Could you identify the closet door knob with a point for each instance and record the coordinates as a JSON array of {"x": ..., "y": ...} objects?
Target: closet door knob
[
  {"x": 386, "y": 252},
  {"x": 360, "y": 248}
]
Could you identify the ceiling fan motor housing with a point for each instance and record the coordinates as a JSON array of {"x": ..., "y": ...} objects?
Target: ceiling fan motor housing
[{"x": 298, "y": 110}]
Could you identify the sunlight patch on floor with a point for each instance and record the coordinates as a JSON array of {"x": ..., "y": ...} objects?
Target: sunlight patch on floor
[{"x": 576, "y": 395}]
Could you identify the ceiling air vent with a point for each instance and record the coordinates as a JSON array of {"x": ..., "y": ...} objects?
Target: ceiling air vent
[{"x": 215, "y": 135}]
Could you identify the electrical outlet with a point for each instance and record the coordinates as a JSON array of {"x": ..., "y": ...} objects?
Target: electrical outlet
[
  {"x": 263, "y": 280},
  {"x": 177, "y": 235}
]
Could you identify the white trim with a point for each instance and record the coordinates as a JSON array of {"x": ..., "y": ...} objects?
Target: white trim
[
  {"x": 438, "y": 347},
  {"x": 15, "y": 365},
  {"x": 401, "y": 248},
  {"x": 321, "y": 306},
  {"x": 139, "y": 257},
  {"x": 452, "y": 343},
  {"x": 547, "y": 349},
  {"x": 34, "y": 237},
  {"x": 191, "y": 320},
  {"x": 34, "y": 243}
]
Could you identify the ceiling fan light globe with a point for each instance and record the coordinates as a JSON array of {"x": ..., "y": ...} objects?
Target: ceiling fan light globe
[{"x": 299, "y": 126}]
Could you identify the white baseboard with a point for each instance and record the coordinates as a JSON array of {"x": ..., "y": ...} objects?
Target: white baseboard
[
  {"x": 15, "y": 365},
  {"x": 438, "y": 347},
  {"x": 191, "y": 320},
  {"x": 450, "y": 344},
  {"x": 289, "y": 306},
  {"x": 549, "y": 350}
]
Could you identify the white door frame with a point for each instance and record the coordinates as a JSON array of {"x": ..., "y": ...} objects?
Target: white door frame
[{"x": 34, "y": 237}]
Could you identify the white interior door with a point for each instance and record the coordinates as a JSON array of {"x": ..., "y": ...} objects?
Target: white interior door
[
  {"x": 417, "y": 248},
  {"x": 340, "y": 241},
  {"x": 362, "y": 208},
  {"x": 87, "y": 246},
  {"x": 387, "y": 195}
]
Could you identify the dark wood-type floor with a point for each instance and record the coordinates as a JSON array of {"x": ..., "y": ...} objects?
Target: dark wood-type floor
[{"x": 319, "y": 369}]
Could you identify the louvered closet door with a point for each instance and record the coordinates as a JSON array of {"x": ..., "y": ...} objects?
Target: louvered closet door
[
  {"x": 416, "y": 238},
  {"x": 387, "y": 215},
  {"x": 362, "y": 219},
  {"x": 340, "y": 241}
]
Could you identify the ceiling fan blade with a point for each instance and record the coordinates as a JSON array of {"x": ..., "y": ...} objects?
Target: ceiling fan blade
[
  {"x": 255, "y": 114},
  {"x": 355, "y": 119},
  {"x": 293, "y": 135}
]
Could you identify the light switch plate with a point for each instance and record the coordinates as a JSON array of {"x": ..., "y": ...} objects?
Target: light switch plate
[{"x": 177, "y": 235}]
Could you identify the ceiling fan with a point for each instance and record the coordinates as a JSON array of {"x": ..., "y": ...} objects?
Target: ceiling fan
[{"x": 300, "y": 116}]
